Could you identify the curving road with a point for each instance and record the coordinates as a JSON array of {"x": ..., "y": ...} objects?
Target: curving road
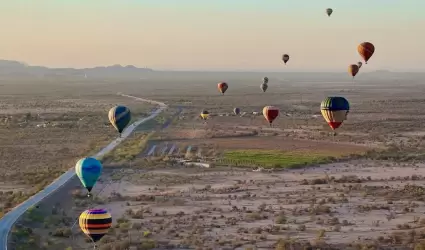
[{"x": 10, "y": 218}]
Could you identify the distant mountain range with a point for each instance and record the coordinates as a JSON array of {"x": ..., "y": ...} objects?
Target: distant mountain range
[{"x": 14, "y": 68}]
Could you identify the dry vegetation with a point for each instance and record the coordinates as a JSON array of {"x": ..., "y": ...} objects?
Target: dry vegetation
[
  {"x": 352, "y": 205},
  {"x": 43, "y": 135},
  {"x": 369, "y": 197}
]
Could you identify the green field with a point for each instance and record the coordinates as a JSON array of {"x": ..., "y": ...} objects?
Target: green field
[
  {"x": 267, "y": 159},
  {"x": 129, "y": 149}
]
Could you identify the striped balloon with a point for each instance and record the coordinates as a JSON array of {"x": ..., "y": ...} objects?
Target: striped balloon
[
  {"x": 120, "y": 117},
  {"x": 95, "y": 223},
  {"x": 335, "y": 110},
  {"x": 366, "y": 50}
]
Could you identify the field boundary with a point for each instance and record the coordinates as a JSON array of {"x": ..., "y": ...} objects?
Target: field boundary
[{"x": 9, "y": 219}]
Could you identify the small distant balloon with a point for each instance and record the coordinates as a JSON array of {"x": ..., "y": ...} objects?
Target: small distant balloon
[
  {"x": 120, "y": 117},
  {"x": 204, "y": 115},
  {"x": 265, "y": 80},
  {"x": 237, "y": 111},
  {"x": 270, "y": 113},
  {"x": 366, "y": 50},
  {"x": 360, "y": 64},
  {"x": 329, "y": 11},
  {"x": 353, "y": 69},
  {"x": 264, "y": 87},
  {"x": 222, "y": 87},
  {"x": 285, "y": 58}
]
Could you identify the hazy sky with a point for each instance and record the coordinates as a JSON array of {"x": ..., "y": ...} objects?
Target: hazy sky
[{"x": 213, "y": 34}]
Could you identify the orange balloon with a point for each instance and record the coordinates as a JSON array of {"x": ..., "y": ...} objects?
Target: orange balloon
[
  {"x": 353, "y": 69},
  {"x": 366, "y": 50},
  {"x": 222, "y": 87}
]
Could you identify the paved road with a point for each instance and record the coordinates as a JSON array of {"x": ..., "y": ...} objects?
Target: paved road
[{"x": 10, "y": 218}]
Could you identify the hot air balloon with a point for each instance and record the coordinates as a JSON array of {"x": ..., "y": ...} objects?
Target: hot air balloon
[
  {"x": 237, "y": 111},
  {"x": 95, "y": 223},
  {"x": 88, "y": 170},
  {"x": 334, "y": 110},
  {"x": 360, "y": 64},
  {"x": 270, "y": 113},
  {"x": 329, "y": 11},
  {"x": 222, "y": 87},
  {"x": 120, "y": 117},
  {"x": 204, "y": 115},
  {"x": 353, "y": 69},
  {"x": 264, "y": 87},
  {"x": 285, "y": 58},
  {"x": 366, "y": 50},
  {"x": 265, "y": 80}
]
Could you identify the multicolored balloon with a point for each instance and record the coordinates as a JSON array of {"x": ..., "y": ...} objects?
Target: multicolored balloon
[
  {"x": 120, "y": 117},
  {"x": 353, "y": 69},
  {"x": 335, "y": 110},
  {"x": 204, "y": 115},
  {"x": 95, "y": 223},
  {"x": 285, "y": 58},
  {"x": 366, "y": 50},
  {"x": 270, "y": 113},
  {"x": 222, "y": 87},
  {"x": 88, "y": 171}
]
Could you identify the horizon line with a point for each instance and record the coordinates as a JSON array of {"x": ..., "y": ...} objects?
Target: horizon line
[{"x": 220, "y": 70}]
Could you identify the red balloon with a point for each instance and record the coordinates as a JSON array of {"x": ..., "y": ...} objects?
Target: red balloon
[
  {"x": 353, "y": 69},
  {"x": 222, "y": 87},
  {"x": 270, "y": 113},
  {"x": 366, "y": 50}
]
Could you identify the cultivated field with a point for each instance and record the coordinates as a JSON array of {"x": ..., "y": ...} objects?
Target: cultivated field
[{"x": 360, "y": 188}]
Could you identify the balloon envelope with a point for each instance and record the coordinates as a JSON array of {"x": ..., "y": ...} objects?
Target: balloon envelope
[
  {"x": 335, "y": 110},
  {"x": 265, "y": 80},
  {"x": 360, "y": 64},
  {"x": 270, "y": 113},
  {"x": 329, "y": 11},
  {"x": 95, "y": 223},
  {"x": 204, "y": 114},
  {"x": 285, "y": 58},
  {"x": 88, "y": 171},
  {"x": 222, "y": 87},
  {"x": 120, "y": 117},
  {"x": 264, "y": 87},
  {"x": 237, "y": 111},
  {"x": 366, "y": 50},
  {"x": 353, "y": 69}
]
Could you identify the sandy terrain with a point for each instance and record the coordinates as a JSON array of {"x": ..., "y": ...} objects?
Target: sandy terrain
[
  {"x": 356, "y": 202},
  {"x": 377, "y": 200},
  {"x": 44, "y": 134}
]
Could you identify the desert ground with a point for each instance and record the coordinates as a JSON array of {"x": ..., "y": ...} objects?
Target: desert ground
[
  {"x": 45, "y": 128},
  {"x": 290, "y": 186}
]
